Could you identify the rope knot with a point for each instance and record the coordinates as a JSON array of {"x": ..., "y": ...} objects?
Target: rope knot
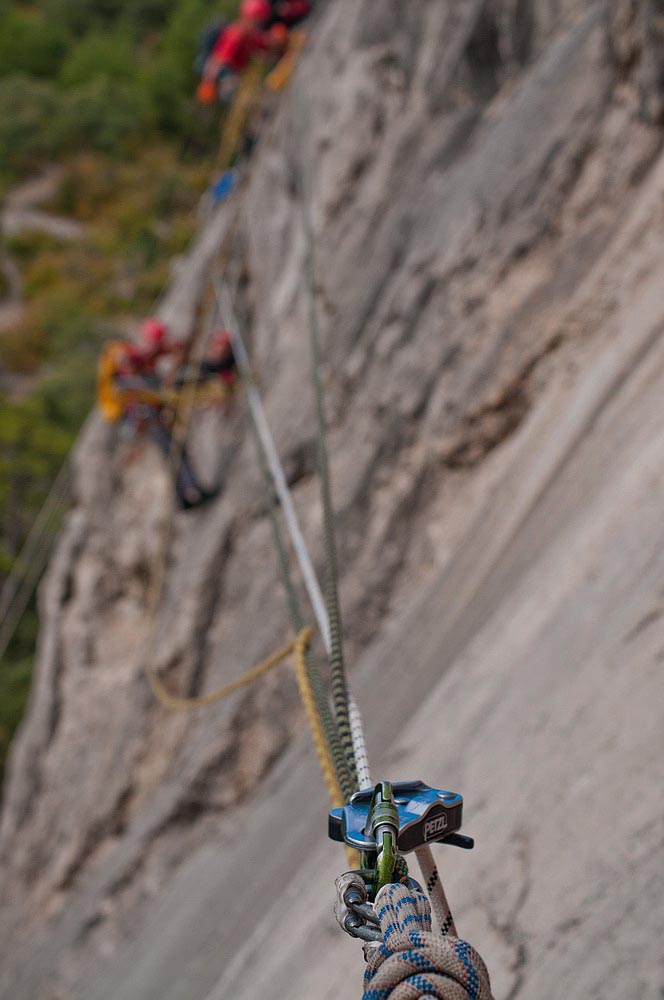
[{"x": 413, "y": 962}]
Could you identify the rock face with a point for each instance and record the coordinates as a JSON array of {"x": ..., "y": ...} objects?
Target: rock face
[{"x": 486, "y": 181}]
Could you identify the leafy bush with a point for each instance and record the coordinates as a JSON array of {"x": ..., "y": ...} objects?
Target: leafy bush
[
  {"x": 22, "y": 349},
  {"x": 106, "y": 89},
  {"x": 27, "y": 109},
  {"x": 14, "y": 687},
  {"x": 165, "y": 86},
  {"x": 32, "y": 449},
  {"x": 39, "y": 123},
  {"x": 147, "y": 15},
  {"x": 81, "y": 16},
  {"x": 105, "y": 55},
  {"x": 30, "y": 45},
  {"x": 27, "y": 245},
  {"x": 104, "y": 115}
]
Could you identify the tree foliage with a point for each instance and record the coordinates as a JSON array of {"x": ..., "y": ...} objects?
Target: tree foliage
[{"x": 105, "y": 88}]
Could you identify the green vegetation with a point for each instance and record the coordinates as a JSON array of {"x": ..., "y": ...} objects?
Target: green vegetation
[
  {"x": 107, "y": 77},
  {"x": 14, "y": 688},
  {"x": 104, "y": 89}
]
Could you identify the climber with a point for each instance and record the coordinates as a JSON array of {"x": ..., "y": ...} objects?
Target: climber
[
  {"x": 143, "y": 358},
  {"x": 244, "y": 39},
  {"x": 220, "y": 362},
  {"x": 217, "y": 370},
  {"x": 207, "y": 41},
  {"x": 126, "y": 373},
  {"x": 286, "y": 12},
  {"x": 130, "y": 391},
  {"x": 221, "y": 85}
]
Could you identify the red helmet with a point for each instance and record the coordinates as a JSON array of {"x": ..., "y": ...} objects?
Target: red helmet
[
  {"x": 153, "y": 332},
  {"x": 221, "y": 343},
  {"x": 256, "y": 10}
]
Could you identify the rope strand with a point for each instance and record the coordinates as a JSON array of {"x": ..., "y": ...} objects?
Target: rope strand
[
  {"x": 340, "y": 697},
  {"x": 270, "y": 465},
  {"x": 178, "y": 704}
]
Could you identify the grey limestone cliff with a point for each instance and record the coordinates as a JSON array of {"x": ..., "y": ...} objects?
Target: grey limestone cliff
[{"x": 487, "y": 189}]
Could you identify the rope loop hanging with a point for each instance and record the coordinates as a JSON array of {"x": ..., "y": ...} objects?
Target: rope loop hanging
[
  {"x": 179, "y": 704},
  {"x": 413, "y": 962}
]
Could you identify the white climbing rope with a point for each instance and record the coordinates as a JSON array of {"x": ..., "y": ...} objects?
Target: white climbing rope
[
  {"x": 431, "y": 878},
  {"x": 359, "y": 744},
  {"x": 281, "y": 486},
  {"x": 276, "y": 469}
]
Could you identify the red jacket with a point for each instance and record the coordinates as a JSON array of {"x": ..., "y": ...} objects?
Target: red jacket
[{"x": 237, "y": 45}]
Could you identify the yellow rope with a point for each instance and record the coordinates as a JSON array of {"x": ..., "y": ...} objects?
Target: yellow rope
[
  {"x": 277, "y": 78},
  {"x": 178, "y": 704},
  {"x": 238, "y": 117},
  {"x": 318, "y": 736},
  {"x": 299, "y": 648},
  {"x": 181, "y": 420},
  {"x": 318, "y": 733}
]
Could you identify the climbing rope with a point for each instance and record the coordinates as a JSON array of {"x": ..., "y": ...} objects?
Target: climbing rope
[
  {"x": 406, "y": 960},
  {"x": 359, "y": 745},
  {"x": 270, "y": 454},
  {"x": 273, "y": 474},
  {"x": 434, "y": 886},
  {"x": 280, "y": 76},
  {"x": 178, "y": 704},
  {"x": 31, "y": 561},
  {"x": 320, "y": 721},
  {"x": 318, "y": 734},
  {"x": 340, "y": 695},
  {"x": 412, "y": 962},
  {"x": 238, "y": 117}
]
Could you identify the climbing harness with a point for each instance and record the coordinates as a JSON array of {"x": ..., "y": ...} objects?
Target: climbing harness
[{"x": 117, "y": 394}]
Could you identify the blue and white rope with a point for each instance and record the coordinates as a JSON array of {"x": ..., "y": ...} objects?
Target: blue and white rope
[{"x": 412, "y": 962}]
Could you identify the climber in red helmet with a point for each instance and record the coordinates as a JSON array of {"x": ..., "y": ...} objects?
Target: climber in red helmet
[
  {"x": 142, "y": 358},
  {"x": 286, "y": 12},
  {"x": 241, "y": 41},
  {"x": 130, "y": 392},
  {"x": 255, "y": 10}
]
